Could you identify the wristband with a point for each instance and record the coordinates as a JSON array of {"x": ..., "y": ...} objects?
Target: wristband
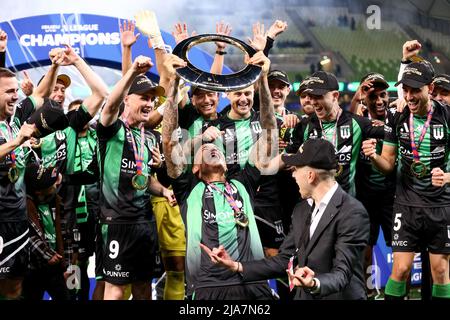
[
  {"x": 406, "y": 61},
  {"x": 221, "y": 53}
]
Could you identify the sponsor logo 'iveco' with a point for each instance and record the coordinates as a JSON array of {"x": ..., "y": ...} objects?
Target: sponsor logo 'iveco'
[
  {"x": 399, "y": 243},
  {"x": 4, "y": 269}
]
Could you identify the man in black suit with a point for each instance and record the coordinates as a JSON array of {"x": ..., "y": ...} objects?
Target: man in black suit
[{"x": 328, "y": 235}]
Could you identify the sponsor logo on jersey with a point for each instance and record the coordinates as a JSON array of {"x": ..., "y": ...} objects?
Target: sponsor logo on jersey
[
  {"x": 344, "y": 154},
  {"x": 229, "y": 135},
  {"x": 218, "y": 217},
  {"x": 399, "y": 243},
  {"x": 4, "y": 269},
  {"x": 116, "y": 274}
]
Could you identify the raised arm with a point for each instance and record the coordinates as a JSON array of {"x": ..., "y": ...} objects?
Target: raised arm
[
  {"x": 267, "y": 146},
  {"x": 110, "y": 111},
  {"x": 219, "y": 58},
  {"x": 95, "y": 83},
  {"x": 127, "y": 40},
  {"x": 175, "y": 160},
  {"x": 409, "y": 50},
  {"x": 45, "y": 87}
]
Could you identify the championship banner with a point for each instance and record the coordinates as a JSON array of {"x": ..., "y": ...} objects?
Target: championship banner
[{"x": 95, "y": 38}]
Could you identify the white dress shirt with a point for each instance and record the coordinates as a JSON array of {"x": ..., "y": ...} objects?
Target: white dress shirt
[{"x": 319, "y": 209}]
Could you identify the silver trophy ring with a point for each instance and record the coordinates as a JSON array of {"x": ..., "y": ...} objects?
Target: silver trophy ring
[{"x": 216, "y": 82}]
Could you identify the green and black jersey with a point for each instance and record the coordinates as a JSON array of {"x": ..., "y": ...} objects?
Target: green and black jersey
[
  {"x": 119, "y": 201},
  {"x": 209, "y": 219},
  {"x": 59, "y": 148},
  {"x": 370, "y": 182},
  {"x": 79, "y": 197},
  {"x": 350, "y": 131},
  {"x": 238, "y": 139},
  {"x": 433, "y": 152},
  {"x": 12, "y": 195},
  {"x": 268, "y": 193},
  {"x": 193, "y": 122}
]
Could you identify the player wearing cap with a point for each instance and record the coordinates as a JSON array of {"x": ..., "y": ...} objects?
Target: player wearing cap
[
  {"x": 441, "y": 91},
  {"x": 271, "y": 216},
  {"x": 323, "y": 252},
  {"x": 374, "y": 189},
  {"x": 217, "y": 208},
  {"x": 13, "y": 158},
  {"x": 44, "y": 215},
  {"x": 419, "y": 136},
  {"x": 305, "y": 101},
  {"x": 343, "y": 129},
  {"x": 126, "y": 155}
]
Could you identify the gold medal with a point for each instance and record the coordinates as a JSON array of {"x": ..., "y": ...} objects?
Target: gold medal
[
  {"x": 139, "y": 181},
  {"x": 241, "y": 219},
  {"x": 13, "y": 174},
  {"x": 418, "y": 169}
]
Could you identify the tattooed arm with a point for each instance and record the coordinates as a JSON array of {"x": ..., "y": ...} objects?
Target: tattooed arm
[
  {"x": 175, "y": 160},
  {"x": 266, "y": 147}
]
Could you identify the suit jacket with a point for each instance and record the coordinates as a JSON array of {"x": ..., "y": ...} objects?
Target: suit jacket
[{"x": 335, "y": 252}]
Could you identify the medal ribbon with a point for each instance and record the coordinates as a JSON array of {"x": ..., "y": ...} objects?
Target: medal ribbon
[
  {"x": 414, "y": 147},
  {"x": 324, "y": 136},
  {"x": 138, "y": 156},
  {"x": 9, "y": 138},
  {"x": 228, "y": 196}
]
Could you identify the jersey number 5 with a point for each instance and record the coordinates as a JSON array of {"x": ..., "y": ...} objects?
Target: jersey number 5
[{"x": 397, "y": 222}]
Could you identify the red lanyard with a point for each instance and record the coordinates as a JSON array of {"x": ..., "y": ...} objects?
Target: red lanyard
[
  {"x": 324, "y": 136},
  {"x": 228, "y": 196},
  {"x": 138, "y": 156},
  {"x": 414, "y": 147}
]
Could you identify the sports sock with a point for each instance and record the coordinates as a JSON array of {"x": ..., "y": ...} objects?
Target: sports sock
[{"x": 174, "y": 288}]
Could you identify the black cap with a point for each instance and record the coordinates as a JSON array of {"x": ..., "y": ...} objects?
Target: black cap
[
  {"x": 302, "y": 86},
  {"x": 377, "y": 79},
  {"x": 278, "y": 75},
  {"x": 49, "y": 118},
  {"x": 416, "y": 75},
  {"x": 195, "y": 90},
  {"x": 38, "y": 177},
  {"x": 315, "y": 153},
  {"x": 442, "y": 81},
  {"x": 319, "y": 83},
  {"x": 141, "y": 85}
]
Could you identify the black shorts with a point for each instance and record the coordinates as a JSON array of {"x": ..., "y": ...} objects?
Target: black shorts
[
  {"x": 270, "y": 226},
  {"x": 380, "y": 214},
  {"x": 99, "y": 249},
  {"x": 249, "y": 291},
  {"x": 128, "y": 252},
  {"x": 14, "y": 249},
  {"x": 414, "y": 228}
]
